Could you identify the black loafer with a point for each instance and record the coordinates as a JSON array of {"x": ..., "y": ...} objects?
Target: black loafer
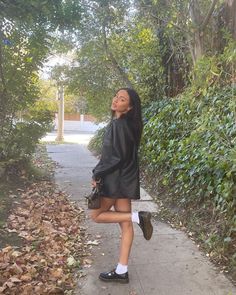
[
  {"x": 145, "y": 224},
  {"x": 112, "y": 276}
]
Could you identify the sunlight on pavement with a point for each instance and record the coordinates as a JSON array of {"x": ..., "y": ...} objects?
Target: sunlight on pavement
[
  {"x": 69, "y": 138},
  {"x": 74, "y": 132}
]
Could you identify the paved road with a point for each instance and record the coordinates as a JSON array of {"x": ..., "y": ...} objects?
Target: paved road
[{"x": 169, "y": 264}]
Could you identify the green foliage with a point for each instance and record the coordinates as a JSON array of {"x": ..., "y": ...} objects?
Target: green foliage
[
  {"x": 48, "y": 96},
  {"x": 113, "y": 43},
  {"x": 26, "y": 37},
  {"x": 49, "y": 101},
  {"x": 47, "y": 14},
  {"x": 96, "y": 78},
  {"x": 193, "y": 151},
  {"x": 135, "y": 44},
  {"x": 139, "y": 43},
  {"x": 150, "y": 45},
  {"x": 19, "y": 140},
  {"x": 214, "y": 71},
  {"x": 95, "y": 144},
  {"x": 96, "y": 86}
]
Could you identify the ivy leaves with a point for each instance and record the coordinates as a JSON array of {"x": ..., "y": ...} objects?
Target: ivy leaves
[{"x": 191, "y": 145}]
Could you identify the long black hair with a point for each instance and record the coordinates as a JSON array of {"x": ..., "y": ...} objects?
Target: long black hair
[{"x": 134, "y": 115}]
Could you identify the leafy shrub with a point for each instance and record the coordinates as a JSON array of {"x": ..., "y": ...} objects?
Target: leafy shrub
[
  {"x": 191, "y": 140},
  {"x": 214, "y": 71},
  {"x": 19, "y": 139},
  {"x": 191, "y": 145},
  {"x": 95, "y": 143}
]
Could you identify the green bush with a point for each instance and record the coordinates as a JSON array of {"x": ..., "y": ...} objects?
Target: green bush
[
  {"x": 19, "y": 139},
  {"x": 191, "y": 145},
  {"x": 95, "y": 144}
]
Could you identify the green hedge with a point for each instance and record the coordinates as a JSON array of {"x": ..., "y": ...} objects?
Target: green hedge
[
  {"x": 19, "y": 139},
  {"x": 189, "y": 147},
  {"x": 95, "y": 144},
  {"x": 193, "y": 144}
]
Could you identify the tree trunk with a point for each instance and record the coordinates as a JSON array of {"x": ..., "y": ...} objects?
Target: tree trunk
[
  {"x": 198, "y": 45},
  {"x": 230, "y": 16},
  {"x": 199, "y": 24},
  {"x": 226, "y": 18},
  {"x": 196, "y": 18},
  {"x": 3, "y": 89}
]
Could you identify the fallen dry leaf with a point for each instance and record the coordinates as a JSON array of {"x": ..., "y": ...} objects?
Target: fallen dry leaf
[
  {"x": 26, "y": 278},
  {"x": 56, "y": 291},
  {"x": 15, "y": 269},
  {"x": 14, "y": 280},
  {"x": 87, "y": 261},
  {"x": 57, "y": 273},
  {"x": 49, "y": 225},
  {"x": 93, "y": 243}
]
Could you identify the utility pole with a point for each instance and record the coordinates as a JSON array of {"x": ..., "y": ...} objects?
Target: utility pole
[{"x": 60, "y": 129}]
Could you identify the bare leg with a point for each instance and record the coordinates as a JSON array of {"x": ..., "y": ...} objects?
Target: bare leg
[
  {"x": 104, "y": 215},
  {"x": 124, "y": 205},
  {"x": 122, "y": 215}
]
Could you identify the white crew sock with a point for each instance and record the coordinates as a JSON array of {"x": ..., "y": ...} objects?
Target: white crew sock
[
  {"x": 135, "y": 217},
  {"x": 120, "y": 269}
]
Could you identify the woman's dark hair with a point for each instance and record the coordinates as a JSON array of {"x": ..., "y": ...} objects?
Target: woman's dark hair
[{"x": 134, "y": 115}]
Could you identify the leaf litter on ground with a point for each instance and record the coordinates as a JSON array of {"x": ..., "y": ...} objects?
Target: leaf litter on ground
[{"x": 54, "y": 243}]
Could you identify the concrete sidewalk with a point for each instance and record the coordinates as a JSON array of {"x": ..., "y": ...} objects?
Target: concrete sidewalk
[{"x": 169, "y": 264}]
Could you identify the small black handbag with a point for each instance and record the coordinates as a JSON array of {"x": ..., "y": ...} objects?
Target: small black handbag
[{"x": 94, "y": 198}]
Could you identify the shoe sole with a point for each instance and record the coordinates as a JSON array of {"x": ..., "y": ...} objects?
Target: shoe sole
[
  {"x": 147, "y": 225},
  {"x": 121, "y": 281}
]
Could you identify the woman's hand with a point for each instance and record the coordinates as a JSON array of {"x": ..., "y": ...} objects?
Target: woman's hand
[{"x": 94, "y": 183}]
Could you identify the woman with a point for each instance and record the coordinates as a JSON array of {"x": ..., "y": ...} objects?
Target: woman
[{"x": 119, "y": 170}]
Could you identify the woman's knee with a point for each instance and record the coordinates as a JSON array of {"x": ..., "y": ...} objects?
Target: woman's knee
[
  {"x": 106, "y": 205},
  {"x": 93, "y": 214},
  {"x": 126, "y": 226}
]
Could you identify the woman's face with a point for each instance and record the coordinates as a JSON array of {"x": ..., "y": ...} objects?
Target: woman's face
[{"x": 121, "y": 103}]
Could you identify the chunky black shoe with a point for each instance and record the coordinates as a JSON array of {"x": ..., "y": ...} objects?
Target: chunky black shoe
[
  {"x": 145, "y": 224},
  {"x": 112, "y": 276}
]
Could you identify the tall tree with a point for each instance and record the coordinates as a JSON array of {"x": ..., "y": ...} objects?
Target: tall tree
[
  {"x": 116, "y": 49},
  {"x": 229, "y": 16},
  {"x": 199, "y": 24},
  {"x": 27, "y": 31}
]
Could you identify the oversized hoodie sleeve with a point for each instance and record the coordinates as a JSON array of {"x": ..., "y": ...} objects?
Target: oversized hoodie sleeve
[{"x": 115, "y": 149}]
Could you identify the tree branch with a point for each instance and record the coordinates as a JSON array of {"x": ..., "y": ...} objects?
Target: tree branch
[
  {"x": 166, "y": 21},
  {"x": 114, "y": 61},
  {"x": 209, "y": 14},
  {"x": 1, "y": 68}
]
